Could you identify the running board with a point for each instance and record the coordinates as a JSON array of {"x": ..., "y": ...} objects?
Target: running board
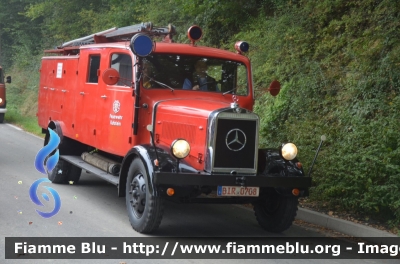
[{"x": 77, "y": 161}]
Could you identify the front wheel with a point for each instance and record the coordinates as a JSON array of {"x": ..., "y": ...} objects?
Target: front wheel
[
  {"x": 275, "y": 212},
  {"x": 1, "y": 118},
  {"x": 144, "y": 210}
]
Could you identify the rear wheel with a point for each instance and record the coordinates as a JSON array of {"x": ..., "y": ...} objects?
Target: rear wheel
[
  {"x": 59, "y": 173},
  {"x": 144, "y": 210},
  {"x": 64, "y": 172},
  {"x": 275, "y": 212},
  {"x": 74, "y": 173}
]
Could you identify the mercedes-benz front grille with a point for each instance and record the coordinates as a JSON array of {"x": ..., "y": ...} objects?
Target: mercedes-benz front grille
[{"x": 233, "y": 143}]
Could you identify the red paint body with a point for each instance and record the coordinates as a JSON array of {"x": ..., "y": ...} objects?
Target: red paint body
[
  {"x": 2, "y": 89},
  {"x": 3, "y": 102},
  {"x": 85, "y": 110}
]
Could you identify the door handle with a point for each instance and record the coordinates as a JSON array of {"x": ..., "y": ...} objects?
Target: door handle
[
  {"x": 104, "y": 96},
  {"x": 82, "y": 93}
]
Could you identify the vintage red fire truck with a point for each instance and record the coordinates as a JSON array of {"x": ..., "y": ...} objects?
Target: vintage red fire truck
[
  {"x": 165, "y": 121},
  {"x": 3, "y": 102}
]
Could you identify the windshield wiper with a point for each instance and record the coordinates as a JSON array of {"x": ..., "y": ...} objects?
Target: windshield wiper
[
  {"x": 160, "y": 83},
  {"x": 229, "y": 91},
  {"x": 163, "y": 84}
]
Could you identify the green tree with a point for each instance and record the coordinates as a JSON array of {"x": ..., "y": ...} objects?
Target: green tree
[{"x": 19, "y": 37}]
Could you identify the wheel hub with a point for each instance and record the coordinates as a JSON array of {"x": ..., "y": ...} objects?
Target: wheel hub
[{"x": 138, "y": 194}]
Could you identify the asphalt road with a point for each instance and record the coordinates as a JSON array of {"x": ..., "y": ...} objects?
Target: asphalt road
[{"x": 93, "y": 209}]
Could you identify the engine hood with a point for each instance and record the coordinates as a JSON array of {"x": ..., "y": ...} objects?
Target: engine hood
[
  {"x": 199, "y": 108},
  {"x": 185, "y": 119}
]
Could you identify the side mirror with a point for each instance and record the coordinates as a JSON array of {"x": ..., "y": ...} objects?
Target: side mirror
[
  {"x": 8, "y": 79},
  {"x": 274, "y": 88},
  {"x": 110, "y": 76}
]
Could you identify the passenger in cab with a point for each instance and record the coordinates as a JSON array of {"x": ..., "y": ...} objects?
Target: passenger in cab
[{"x": 201, "y": 80}]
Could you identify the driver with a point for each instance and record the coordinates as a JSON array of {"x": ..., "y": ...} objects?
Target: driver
[
  {"x": 147, "y": 75},
  {"x": 201, "y": 80}
]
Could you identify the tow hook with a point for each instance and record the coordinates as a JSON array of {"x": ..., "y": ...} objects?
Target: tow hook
[{"x": 241, "y": 180}]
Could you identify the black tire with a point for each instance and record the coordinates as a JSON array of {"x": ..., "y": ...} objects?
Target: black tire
[
  {"x": 144, "y": 210},
  {"x": 59, "y": 173},
  {"x": 65, "y": 172},
  {"x": 1, "y": 118},
  {"x": 74, "y": 173},
  {"x": 275, "y": 212}
]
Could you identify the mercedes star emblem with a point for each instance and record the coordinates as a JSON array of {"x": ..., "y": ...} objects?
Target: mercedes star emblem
[{"x": 235, "y": 139}]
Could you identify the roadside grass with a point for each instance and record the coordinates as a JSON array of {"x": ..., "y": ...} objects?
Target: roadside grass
[
  {"x": 27, "y": 123},
  {"x": 22, "y": 101}
]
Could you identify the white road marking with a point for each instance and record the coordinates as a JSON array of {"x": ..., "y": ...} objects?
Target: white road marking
[
  {"x": 17, "y": 128},
  {"x": 20, "y": 129}
]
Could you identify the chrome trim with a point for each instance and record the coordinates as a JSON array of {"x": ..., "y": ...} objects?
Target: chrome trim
[
  {"x": 153, "y": 121},
  {"x": 3, "y": 110},
  {"x": 228, "y": 113},
  {"x": 209, "y": 154}
]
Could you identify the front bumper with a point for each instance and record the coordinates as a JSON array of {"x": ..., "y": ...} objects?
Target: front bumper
[
  {"x": 3, "y": 110},
  {"x": 204, "y": 179}
]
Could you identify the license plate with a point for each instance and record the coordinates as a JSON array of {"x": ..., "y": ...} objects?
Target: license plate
[{"x": 238, "y": 191}]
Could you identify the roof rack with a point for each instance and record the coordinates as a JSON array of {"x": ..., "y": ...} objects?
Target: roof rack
[{"x": 115, "y": 34}]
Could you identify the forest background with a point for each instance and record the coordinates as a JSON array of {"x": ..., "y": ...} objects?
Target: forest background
[{"x": 337, "y": 60}]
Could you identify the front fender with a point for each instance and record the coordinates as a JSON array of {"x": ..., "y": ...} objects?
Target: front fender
[
  {"x": 146, "y": 153},
  {"x": 142, "y": 153}
]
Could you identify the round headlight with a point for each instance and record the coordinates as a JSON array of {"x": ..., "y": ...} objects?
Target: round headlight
[
  {"x": 289, "y": 151},
  {"x": 1, "y": 100},
  {"x": 180, "y": 148}
]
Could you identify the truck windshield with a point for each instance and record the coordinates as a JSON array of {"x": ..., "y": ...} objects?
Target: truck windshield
[{"x": 194, "y": 73}]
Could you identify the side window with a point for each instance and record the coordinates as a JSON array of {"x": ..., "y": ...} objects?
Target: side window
[
  {"x": 123, "y": 64},
  {"x": 94, "y": 66}
]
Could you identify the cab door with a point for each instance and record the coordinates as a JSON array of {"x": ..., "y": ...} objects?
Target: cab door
[{"x": 115, "y": 108}]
